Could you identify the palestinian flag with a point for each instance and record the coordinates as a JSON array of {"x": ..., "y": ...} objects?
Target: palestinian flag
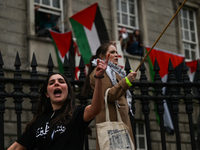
[
  {"x": 63, "y": 43},
  {"x": 192, "y": 65},
  {"x": 163, "y": 57},
  {"x": 192, "y": 69},
  {"x": 90, "y": 31}
]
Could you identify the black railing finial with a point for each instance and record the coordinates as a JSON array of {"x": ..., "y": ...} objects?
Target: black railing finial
[
  {"x": 1, "y": 66},
  {"x": 143, "y": 77},
  {"x": 156, "y": 70},
  {"x": 82, "y": 74},
  {"x": 1, "y": 60},
  {"x": 17, "y": 60},
  {"x": 66, "y": 67},
  {"x": 34, "y": 61},
  {"x": 17, "y": 65},
  {"x": 170, "y": 65},
  {"x": 185, "y": 77},
  {"x": 171, "y": 75},
  {"x": 50, "y": 65},
  {"x": 34, "y": 66},
  {"x": 127, "y": 67}
]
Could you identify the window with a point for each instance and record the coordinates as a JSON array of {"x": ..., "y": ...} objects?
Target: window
[
  {"x": 52, "y": 7},
  {"x": 141, "y": 136},
  {"x": 127, "y": 14},
  {"x": 127, "y": 18},
  {"x": 189, "y": 33}
]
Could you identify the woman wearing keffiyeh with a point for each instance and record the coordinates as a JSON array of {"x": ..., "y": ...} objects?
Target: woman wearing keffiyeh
[{"x": 114, "y": 78}]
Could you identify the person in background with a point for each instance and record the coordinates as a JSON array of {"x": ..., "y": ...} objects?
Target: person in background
[
  {"x": 135, "y": 46},
  {"x": 57, "y": 124},
  {"x": 123, "y": 38},
  {"x": 45, "y": 24},
  {"x": 114, "y": 78},
  {"x": 38, "y": 17}
]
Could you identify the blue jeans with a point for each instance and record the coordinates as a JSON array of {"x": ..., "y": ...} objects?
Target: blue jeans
[{"x": 135, "y": 49}]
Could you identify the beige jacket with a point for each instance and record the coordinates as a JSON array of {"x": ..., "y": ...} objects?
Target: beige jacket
[{"x": 116, "y": 92}]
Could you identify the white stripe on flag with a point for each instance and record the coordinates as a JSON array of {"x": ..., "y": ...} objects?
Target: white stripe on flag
[
  {"x": 166, "y": 116},
  {"x": 191, "y": 75},
  {"x": 63, "y": 58},
  {"x": 93, "y": 38}
]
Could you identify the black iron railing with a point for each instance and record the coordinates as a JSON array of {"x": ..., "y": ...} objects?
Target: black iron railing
[{"x": 144, "y": 97}]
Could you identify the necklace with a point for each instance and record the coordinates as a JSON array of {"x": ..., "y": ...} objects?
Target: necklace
[
  {"x": 53, "y": 114},
  {"x": 54, "y": 111}
]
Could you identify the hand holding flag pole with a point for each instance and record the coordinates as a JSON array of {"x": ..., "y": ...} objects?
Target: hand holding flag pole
[
  {"x": 60, "y": 23},
  {"x": 161, "y": 35}
]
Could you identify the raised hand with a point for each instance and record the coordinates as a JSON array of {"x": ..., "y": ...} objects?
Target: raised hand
[{"x": 101, "y": 67}]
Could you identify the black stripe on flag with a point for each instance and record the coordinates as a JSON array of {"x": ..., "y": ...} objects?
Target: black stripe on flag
[
  {"x": 101, "y": 27},
  {"x": 178, "y": 75},
  {"x": 72, "y": 59}
]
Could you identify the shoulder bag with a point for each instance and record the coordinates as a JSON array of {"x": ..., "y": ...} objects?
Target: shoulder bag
[{"x": 113, "y": 135}]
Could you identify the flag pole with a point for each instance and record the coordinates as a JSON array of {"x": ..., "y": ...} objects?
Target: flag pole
[
  {"x": 161, "y": 35},
  {"x": 59, "y": 23}
]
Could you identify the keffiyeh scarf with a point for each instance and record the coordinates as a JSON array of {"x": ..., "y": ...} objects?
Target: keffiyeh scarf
[{"x": 110, "y": 71}]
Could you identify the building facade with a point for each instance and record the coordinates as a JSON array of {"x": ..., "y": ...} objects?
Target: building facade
[{"x": 18, "y": 34}]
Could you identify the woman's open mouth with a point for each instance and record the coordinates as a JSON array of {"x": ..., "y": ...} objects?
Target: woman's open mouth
[{"x": 57, "y": 92}]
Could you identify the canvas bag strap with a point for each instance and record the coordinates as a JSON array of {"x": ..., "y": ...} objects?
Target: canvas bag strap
[
  {"x": 118, "y": 114},
  {"x": 107, "y": 111},
  {"x": 106, "y": 105}
]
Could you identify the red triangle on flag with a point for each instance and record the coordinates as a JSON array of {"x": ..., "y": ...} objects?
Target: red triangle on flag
[
  {"x": 192, "y": 65},
  {"x": 163, "y": 60},
  {"x": 86, "y": 16},
  {"x": 62, "y": 41}
]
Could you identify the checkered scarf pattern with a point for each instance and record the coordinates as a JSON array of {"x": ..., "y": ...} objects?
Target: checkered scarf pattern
[{"x": 110, "y": 71}]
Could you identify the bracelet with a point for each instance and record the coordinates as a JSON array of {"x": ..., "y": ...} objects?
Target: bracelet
[
  {"x": 99, "y": 77},
  {"x": 128, "y": 82}
]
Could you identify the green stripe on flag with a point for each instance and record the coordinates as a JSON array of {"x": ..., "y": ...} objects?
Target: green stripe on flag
[
  {"x": 81, "y": 40},
  {"x": 152, "y": 74},
  {"x": 60, "y": 65}
]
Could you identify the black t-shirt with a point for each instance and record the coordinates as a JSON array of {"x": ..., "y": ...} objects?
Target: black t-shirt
[{"x": 71, "y": 137}]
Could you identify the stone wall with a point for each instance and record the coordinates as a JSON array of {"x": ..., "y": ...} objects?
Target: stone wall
[
  {"x": 158, "y": 14},
  {"x": 13, "y": 31}
]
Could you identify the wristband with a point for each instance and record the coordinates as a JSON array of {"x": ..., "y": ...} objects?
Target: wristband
[
  {"x": 128, "y": 82},
  {"x": 99, "y": 77}
]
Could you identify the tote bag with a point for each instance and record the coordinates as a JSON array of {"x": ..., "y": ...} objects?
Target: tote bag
[{"x": 113, "y": 135}]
